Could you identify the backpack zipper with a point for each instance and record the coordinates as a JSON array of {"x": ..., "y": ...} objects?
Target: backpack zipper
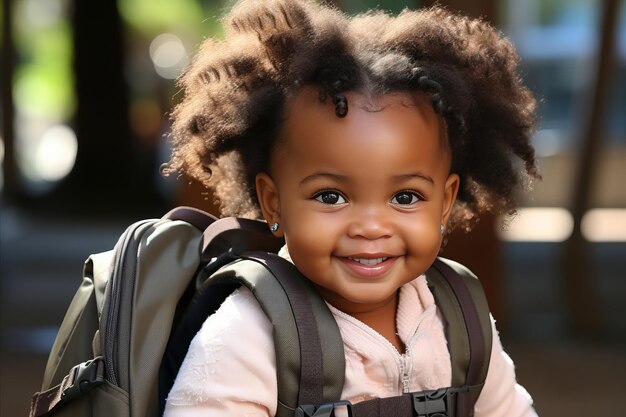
[{"x": 125, "y": 266}]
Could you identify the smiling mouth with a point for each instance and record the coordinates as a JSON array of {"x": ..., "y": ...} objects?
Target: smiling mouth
[{"x": 369, "y": 262}]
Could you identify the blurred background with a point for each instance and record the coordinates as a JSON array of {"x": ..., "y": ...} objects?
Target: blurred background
[{"x": 86, "y": 88}]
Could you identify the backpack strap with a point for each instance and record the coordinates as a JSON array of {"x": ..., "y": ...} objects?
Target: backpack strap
[
  {"x": 81, "y": 379},
  {"x": 322, "y": 370},
  {"x": 441, "y": 403},
  {"x": 196, "y": 217},
  {"x": 236, "y": 236},
  {"x": 461, "y": 299}
]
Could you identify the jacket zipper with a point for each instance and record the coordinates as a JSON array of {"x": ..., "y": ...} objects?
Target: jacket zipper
[
  {"x": 405, "y": 371},
  {"x": 403, "y": 359}
]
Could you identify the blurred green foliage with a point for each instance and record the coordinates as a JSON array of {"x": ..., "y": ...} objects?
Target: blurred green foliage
[{"x": 43, "y": 78}]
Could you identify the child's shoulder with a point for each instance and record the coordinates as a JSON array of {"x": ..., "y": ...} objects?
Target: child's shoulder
[
  {"x": 230, "y": 364},
  {"x": 238, "y": 330},
  {"x": 239, "y": 311}
]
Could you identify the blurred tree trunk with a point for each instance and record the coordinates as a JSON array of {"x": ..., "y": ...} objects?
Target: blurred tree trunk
[
  {"x": 104, "y": 160},
  {"x": 110, "y": 173},
  {"x": 8, "y": 58},
  {"x": 579, "y": 290}
]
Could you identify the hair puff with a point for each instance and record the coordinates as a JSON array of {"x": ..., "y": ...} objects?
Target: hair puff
[{"x": 235, "y": 92}]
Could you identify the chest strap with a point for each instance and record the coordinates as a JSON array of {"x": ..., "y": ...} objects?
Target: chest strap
[{"x": 432, "y": 403}]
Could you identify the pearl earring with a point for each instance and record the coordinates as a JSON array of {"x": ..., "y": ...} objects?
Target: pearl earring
[{"x": 274, "y": 227}]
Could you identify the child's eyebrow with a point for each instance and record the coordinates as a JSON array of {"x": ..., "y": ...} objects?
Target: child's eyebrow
[
  {"x": 412, "y": 175},
  {"x": 327, "y": 175}
]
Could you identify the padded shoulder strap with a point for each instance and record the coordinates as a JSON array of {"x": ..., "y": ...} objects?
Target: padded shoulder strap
[
  {"x": 459, "y": 295},
  {"x": 235, "y": 235},
  {"x": 306, "y": 372},
  {"x": 199, "y": 218}
]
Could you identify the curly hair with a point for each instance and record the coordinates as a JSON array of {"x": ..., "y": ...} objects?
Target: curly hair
[{"x": 235, "y": 92}]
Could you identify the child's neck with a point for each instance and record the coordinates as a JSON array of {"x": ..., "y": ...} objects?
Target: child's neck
[{"x": 383, "y": 320}]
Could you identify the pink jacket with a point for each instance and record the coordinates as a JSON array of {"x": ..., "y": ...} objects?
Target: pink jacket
[{"x": 230, "y": 372}]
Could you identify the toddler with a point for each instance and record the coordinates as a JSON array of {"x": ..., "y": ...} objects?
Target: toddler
[{"x": 362, "y": 141}]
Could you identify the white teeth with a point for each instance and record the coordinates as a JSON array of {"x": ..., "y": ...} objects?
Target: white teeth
[{"x": 364, "y": 261}]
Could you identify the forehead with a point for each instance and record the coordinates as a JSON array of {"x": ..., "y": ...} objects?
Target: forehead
[{"x": 400, "y": 128}]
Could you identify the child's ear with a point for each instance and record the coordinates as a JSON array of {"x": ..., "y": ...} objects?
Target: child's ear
[
  {"x": 449, "y": 197},
  {"x": 269, "y": 201}
]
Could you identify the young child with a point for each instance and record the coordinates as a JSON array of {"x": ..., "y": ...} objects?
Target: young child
[{"x": 362, "y": 141}]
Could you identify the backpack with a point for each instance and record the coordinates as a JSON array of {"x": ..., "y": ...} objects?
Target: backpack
[{"x": 128, "y": 327}]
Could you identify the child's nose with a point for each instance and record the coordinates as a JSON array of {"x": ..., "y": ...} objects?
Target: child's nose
[{"x": 370, "y": 223}]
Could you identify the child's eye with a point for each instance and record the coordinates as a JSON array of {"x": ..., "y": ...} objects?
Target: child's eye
[
  {"x": 330, "y": 197},
  {"x": 406, "y": 198}
]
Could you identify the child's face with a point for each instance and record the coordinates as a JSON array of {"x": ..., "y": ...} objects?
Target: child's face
[{"x": 361, "y": 199}]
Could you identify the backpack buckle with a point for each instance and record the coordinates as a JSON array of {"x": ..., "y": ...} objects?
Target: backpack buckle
[
  {"x": 83, "y": 377},
  {"x": 435, "y": 403},
  {"x": 323, "y": 410}
]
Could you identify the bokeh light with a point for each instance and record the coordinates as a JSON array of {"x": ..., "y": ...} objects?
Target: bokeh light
[
  {"x": 604, "y": 225},
  {"x": 539, "y": 224},
  {"x": 56, "y": 153},
  {"x": 47, "y": 154},
  {"x": 169, "y": 55}
]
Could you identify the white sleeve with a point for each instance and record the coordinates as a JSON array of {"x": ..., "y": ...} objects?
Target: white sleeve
[
  {"x": 502, "y": 396},
  {"x": 230, "y": 368}
]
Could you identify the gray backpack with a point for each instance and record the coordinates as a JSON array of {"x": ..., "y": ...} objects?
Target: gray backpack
[{"x": 128, "y": 327}]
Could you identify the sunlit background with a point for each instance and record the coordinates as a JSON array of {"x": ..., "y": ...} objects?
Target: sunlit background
[
  {"x": 557, "y": 39},
  {"x": 86, "y": 89}
]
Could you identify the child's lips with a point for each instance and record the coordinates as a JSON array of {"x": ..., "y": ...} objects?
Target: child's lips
[{"x": 371, "y": 266}]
